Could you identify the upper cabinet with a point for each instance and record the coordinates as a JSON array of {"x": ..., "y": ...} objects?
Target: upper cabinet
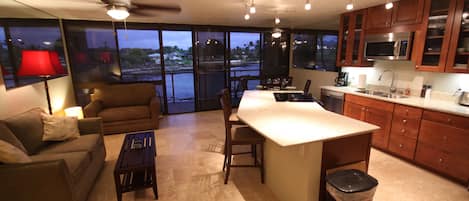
[
  {"x": 432, "y": 41},
  {"x": 406, "y": 15},
  {"x": 407, "y": 12},
  {"x": 351, "y": 39},
  {"x": 458, "y": 52}
]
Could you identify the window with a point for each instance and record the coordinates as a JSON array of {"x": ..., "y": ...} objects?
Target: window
[
  {"x": 276, "y": 55},
  {"x": 139, "y": 52},
  {"x": 19, "y": 35},
  {"x": 93, "y": 55},
  {"x": 315, "y": 51},
  {"x": 244, "y": 62}
]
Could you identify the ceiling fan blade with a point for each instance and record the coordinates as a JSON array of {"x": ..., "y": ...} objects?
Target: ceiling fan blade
[
  {"x": 175, "y": 9},
  {"x": 140, "y": 13}
]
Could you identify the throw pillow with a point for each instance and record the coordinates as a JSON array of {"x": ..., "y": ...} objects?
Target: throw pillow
[
  {"x": 10, "y": 154},
  {"x": 59, "y": 128}
]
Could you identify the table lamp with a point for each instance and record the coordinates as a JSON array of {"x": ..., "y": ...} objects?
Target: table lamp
[
  {"x": 39, "y": 63},
  {"x": 76, "y": 111}
]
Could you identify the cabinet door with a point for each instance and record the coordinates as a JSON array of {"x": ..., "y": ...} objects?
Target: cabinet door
[
  {"x": 406, "y": 12},
  {"x": 378, "y": 17},
  {"x": 358, "y": 39},
  {"x": 458, "y": 53},
  {"x": 382, "y": 119},
  {"x": 344, "y": 35},
  {"x": 433, "y": 43},
  {"x": 353, "y": 110}
]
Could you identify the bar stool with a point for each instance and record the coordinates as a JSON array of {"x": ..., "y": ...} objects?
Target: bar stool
[{"x": 239, "y": 135}]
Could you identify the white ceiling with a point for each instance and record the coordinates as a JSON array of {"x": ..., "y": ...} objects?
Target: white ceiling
[{"x": 323, "y": 15}]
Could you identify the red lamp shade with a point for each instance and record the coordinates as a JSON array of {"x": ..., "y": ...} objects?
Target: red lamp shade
[
  {"x": 36, "y": 63},
  {"x": 54, "y": 57}
]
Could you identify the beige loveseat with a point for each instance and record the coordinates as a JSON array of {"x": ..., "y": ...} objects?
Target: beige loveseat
[
  {"x": 59, "y": 171},
  {"x": 125, "y": 107}
]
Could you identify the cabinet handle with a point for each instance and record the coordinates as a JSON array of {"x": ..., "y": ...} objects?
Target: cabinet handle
[
  {"x": 403, "y": 131},
  {"x": 404, "y": 121},
  {"x": 445, "y": 138},
  {"x": 440, "y": 160},
  {"x": 406, "y": 111},
  {"x": 449, "y": 120},
  {"x": 400, "y": 145},
  {"x": 363, "y": 108}
]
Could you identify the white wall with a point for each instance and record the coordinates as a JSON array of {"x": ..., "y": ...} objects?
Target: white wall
[
  {"x": 318, "y": 78},
  {"x": 20, "y": 99},
  {"x": 407, "y": 76}
]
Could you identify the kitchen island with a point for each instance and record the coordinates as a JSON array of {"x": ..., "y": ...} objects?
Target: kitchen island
[{"x": 303, "y": 141}]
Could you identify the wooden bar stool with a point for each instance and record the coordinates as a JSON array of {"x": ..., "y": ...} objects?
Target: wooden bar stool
[{"x": 239, "y": 135}]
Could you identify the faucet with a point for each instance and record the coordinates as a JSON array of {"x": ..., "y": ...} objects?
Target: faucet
[{"x": 392, "y": 89}]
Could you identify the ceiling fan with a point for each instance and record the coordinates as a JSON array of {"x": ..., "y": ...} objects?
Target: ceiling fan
[{"x": 121, "y": 9}]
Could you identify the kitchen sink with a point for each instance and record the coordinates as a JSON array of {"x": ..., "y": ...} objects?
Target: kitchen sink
[{"x": 381, "y": 94}]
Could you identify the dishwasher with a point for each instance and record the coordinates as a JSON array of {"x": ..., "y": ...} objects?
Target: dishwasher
[{"x": 333, "y": 101}]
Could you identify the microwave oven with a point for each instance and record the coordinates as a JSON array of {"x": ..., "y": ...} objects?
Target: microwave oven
[{"x": 388, "y": 46}]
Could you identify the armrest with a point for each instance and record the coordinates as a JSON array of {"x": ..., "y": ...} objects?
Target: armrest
[
  {"x": 93, "y": 108},
  {"x": 90, "y": 126},
  {"x": 48, "y": 180},
  {"x": 155, "y": 107}
]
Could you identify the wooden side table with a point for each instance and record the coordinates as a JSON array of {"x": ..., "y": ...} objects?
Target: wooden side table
[{"x": 135, "y": 168}]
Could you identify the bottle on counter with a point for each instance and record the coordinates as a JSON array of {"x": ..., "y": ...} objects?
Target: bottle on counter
[
  {"x": 422, "y": 92},
  {"x": 428, "y": 92},
  {"x": 407, "y": 91}
]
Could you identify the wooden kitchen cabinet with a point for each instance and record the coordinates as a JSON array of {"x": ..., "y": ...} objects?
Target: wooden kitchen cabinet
[
  {"x": 405, "y": 131},
  {"x": 374, "y": 112},
  {"x": 379, "y": 17},
  {"x": 443, "y": 144},
  {"x": 458, "y": 52},
  {"x": 407, "y": 12},
  {"x": 351, "y": 44}
]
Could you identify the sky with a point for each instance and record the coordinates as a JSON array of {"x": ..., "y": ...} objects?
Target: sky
[{"x": 182, "y": 39}]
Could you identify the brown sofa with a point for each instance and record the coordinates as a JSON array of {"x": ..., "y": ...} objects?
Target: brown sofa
[
  {"x": 125, "y": 107},
  {"x": 59, "y": 171}
]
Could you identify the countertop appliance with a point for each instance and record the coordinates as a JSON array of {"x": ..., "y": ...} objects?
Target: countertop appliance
[
  {"x": 342, "y": 79},
  {"x": 464, "y": 98},
  {"x": 388, "y": 46},
  {"x": 333, "y": 101}
]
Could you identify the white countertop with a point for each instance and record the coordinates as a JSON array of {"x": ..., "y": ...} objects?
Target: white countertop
[
  {"x": 294, "y": 123},
  {"x": 432, "y": 104}
]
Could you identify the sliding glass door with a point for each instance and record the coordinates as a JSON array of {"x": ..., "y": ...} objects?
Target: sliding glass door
[
  {"x": 244, "y": 63},
  {"x": 177, "y": 53},
  {"x": 210, "y": 70}
]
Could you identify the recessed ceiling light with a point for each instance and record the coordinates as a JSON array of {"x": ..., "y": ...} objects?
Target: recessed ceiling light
[
  {"x": 308, "y": 5},
  {"x": 277, "y": 20},
  {"x": 349, "y": 6},
  {"x": 389, "y": 5}
]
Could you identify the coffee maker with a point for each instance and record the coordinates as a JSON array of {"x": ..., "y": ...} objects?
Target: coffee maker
[{"x": 342, "y": 79}]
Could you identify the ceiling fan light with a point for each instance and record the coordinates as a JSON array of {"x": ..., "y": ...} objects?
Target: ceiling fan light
[
  {"x": 118, "y": 13},
  {"x": 247, "y": 17},
  {"x": 349, "y": 6},
  {"x": 252, "y": 9},
  {"x": 276, "y": 34},
  {"x": 389, "y": 5},
  {"x": 308, "y": 6}
]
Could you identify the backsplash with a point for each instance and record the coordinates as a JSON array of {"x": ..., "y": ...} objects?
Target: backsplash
[{"x": 443, "y": 84}]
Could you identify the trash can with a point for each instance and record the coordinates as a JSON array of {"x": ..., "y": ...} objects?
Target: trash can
[{"x": 351, "y": 185}]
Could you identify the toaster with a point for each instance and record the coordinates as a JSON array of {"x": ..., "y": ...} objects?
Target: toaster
[{"x": 464, "y": 98}]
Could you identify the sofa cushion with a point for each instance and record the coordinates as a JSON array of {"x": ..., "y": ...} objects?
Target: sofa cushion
[
  {"x": 28, "y": 128},
  {"x": 84, "y": 143},
  {"x": 59, "y": 128},
  {"x": 76, "y": 162},
  {"x": 124, "y": 94},
  {"x": 10, "y": 154},
  {"x": 7, "y": 136},
  {"x": 125, "y": 113}
]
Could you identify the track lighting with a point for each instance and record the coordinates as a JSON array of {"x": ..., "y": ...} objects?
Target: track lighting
[
  {"x": 277, "y": 20},
  {"x": 247, "y": 16},
  {"x": 252, "y": 7},
  {"x": 389, "y": 5},
  {"x": 349, "y": 6}
]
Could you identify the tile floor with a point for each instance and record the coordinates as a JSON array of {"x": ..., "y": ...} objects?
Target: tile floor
[{"x": 189, "y": 166}]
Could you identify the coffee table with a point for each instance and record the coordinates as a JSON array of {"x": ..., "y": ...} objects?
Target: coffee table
[{"x": 135, "y": 167}]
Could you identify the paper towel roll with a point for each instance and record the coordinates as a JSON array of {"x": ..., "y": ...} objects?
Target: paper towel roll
[{"x": 361, "y": 81}]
